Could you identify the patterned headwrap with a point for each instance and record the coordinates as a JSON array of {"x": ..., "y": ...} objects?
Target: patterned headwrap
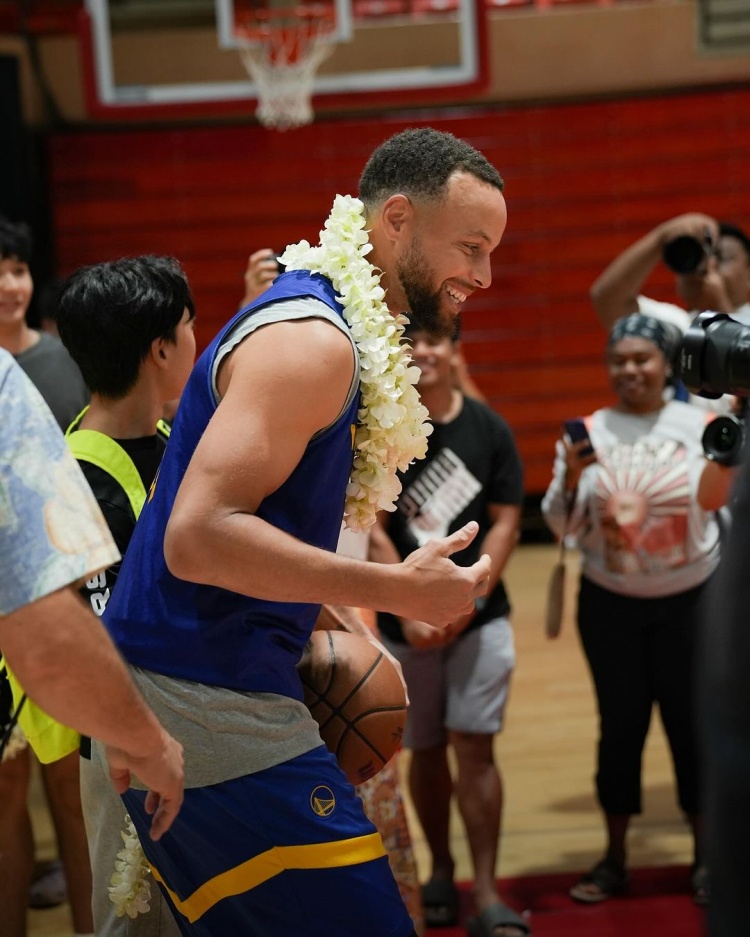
[{"x": 664, "y": 335}]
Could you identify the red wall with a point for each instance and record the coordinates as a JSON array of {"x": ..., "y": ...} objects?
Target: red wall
[{"x": 583, "y": 181}]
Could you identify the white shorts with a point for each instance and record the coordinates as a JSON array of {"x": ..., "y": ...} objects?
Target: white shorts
[{"x": 462, "y": 687}]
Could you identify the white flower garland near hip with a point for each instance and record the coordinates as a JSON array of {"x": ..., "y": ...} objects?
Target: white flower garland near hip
[
  {"x": 130, "y": 889},
  {"x": 392, "y": 429},
  {"x": 16, "y": 743}
]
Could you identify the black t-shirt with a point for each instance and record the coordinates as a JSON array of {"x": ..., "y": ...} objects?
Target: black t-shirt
[
  {"x": 471, "y": 462},
  {"x": 146, "y": 453}
]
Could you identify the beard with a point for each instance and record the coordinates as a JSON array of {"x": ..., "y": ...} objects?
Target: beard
[{"x": 424, "y": 304}]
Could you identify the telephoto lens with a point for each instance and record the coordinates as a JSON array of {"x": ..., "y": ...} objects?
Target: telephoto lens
[{"x": 685, "y": 254}]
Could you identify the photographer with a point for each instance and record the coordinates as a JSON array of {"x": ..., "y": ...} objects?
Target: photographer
[
  {"x": 711, "y": 262},
  {"x": 715, "y": 358}
]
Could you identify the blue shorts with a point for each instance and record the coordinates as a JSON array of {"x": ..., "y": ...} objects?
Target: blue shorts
[{"x": 277, "y": 853}]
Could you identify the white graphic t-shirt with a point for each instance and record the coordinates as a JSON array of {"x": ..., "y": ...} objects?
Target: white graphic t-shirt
[
  {"x": 636, "y": 518},
  {"x": 642, "y": 497}
]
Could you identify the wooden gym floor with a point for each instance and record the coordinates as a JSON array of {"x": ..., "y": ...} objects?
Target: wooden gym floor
[{"x": 546, "y": 754}]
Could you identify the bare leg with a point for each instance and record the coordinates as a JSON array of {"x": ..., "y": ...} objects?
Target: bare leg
[
  {"x": 61, "y": 782},
  {"x": 479, "y": 792},
  {"x": 16, "y": 843},
  {"x": 431, "y": 788},
  {"x": 617, "y": 829}
]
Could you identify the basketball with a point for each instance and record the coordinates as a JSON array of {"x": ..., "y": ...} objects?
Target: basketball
[{"x": 355, "y": 695}]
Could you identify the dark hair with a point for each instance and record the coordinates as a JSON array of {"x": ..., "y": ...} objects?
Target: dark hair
[
  {"x": 413, "y": 326},
  {"x": 109, "y": 314},
  {"x": 15, "y": 240},
  {"x": 732, "y": 231},
  {"x": 419, "y": 163}
]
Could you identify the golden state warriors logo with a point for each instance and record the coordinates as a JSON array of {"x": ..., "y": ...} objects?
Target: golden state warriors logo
[{"x": 322, "y": 801}]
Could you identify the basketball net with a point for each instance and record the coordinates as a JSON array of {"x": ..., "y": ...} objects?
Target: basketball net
[{"x": 282, "y": 50}]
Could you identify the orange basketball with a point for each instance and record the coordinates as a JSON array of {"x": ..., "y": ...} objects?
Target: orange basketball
[{"x": 355, "y": 695}]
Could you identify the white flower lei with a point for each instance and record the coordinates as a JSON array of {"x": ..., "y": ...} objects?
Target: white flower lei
[
  {"x": 392, "y": 429},
  {"x": 130, "y": 890},
  {"x": 16, "y": 743}
]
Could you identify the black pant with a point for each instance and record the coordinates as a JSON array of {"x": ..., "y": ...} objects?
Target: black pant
[{"x": 641, "y": 652}]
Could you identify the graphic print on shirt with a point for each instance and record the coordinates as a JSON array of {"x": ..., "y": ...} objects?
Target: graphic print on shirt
[
  {"x": 438, "y": 495},
  {"x": 642, "y": 498}
]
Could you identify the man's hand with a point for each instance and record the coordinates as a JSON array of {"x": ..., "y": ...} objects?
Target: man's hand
[
  {"x": 161, "y": 771},
  {"x": 346, "y": 618},
  {"x": 260, "y": 273},
  {"x": 422, "y": 636},
  {"x": 443, "y": 592},
  {"x": 693, "y": 224}
]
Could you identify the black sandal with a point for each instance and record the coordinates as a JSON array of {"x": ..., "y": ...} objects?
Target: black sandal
[
  {"x": 608, "y": 877},
  {"x": 700, "y": 885},
  {"x": 440, "y": 902}
]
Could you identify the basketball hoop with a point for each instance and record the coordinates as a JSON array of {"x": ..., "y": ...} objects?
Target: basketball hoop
[{"x": 282, "y": 49}]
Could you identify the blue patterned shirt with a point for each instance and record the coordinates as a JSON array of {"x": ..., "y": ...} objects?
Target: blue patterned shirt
[{"x": 52, "y": 533}]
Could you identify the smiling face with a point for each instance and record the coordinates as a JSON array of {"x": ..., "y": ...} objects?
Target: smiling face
[
  {"x": 444, "y": 254},
  {"x": 638, "y": 373},
  {"x": 434, "y": 356},
  {"x": 16, "y": 288}
]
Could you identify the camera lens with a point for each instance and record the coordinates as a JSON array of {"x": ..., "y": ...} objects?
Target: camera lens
[
  {"x": 724, "y": 440},
  {"x": 715, "y": 356},
  {"x": 684, "y": 254}
]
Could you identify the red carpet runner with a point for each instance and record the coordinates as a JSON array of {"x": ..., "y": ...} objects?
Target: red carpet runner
[{"x": 658, "y": 904}]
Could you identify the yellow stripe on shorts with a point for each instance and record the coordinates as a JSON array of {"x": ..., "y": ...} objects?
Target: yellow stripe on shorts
[{"x": 261, "y": 868}]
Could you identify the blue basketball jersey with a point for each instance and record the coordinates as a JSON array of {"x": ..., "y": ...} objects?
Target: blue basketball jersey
[{"x": 207, "y": 634}]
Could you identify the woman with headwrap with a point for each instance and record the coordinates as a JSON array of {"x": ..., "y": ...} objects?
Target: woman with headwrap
[{"x": 641, "y": 509}]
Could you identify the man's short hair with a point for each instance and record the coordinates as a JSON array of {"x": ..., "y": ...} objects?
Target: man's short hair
[
  {"x": 15, "y": 240},
  {"x": 418, "y": 163},
  {"x": 109, "y": 314},
  {"x": 732, "y": 231}
]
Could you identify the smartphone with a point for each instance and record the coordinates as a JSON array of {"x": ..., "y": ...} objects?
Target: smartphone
[{"x": 576, "y": 431}]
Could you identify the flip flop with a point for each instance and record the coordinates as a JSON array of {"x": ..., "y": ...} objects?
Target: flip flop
[
  {"x": 700, "y": 885},
  {"x": 440, "y": 903},
  {"x": 608, "y": 877},
  {"x": 496, "y": 915},
  {"x": 50, "y": 889}
]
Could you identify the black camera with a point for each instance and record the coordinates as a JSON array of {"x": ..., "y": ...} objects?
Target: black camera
[
  {"x": 279, "y": 264},
  {"x": 715, "y": 360},
  {"x": 715, "y": 356},
  {"x": 724, "y": 438},
  {"x": 687, "y": 254}
]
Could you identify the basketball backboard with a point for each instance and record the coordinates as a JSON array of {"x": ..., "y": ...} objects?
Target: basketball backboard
[{"x": 187, "y": 59}]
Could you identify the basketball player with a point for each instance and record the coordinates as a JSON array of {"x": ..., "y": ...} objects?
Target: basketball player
[{"x": 234, "y": 554}]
